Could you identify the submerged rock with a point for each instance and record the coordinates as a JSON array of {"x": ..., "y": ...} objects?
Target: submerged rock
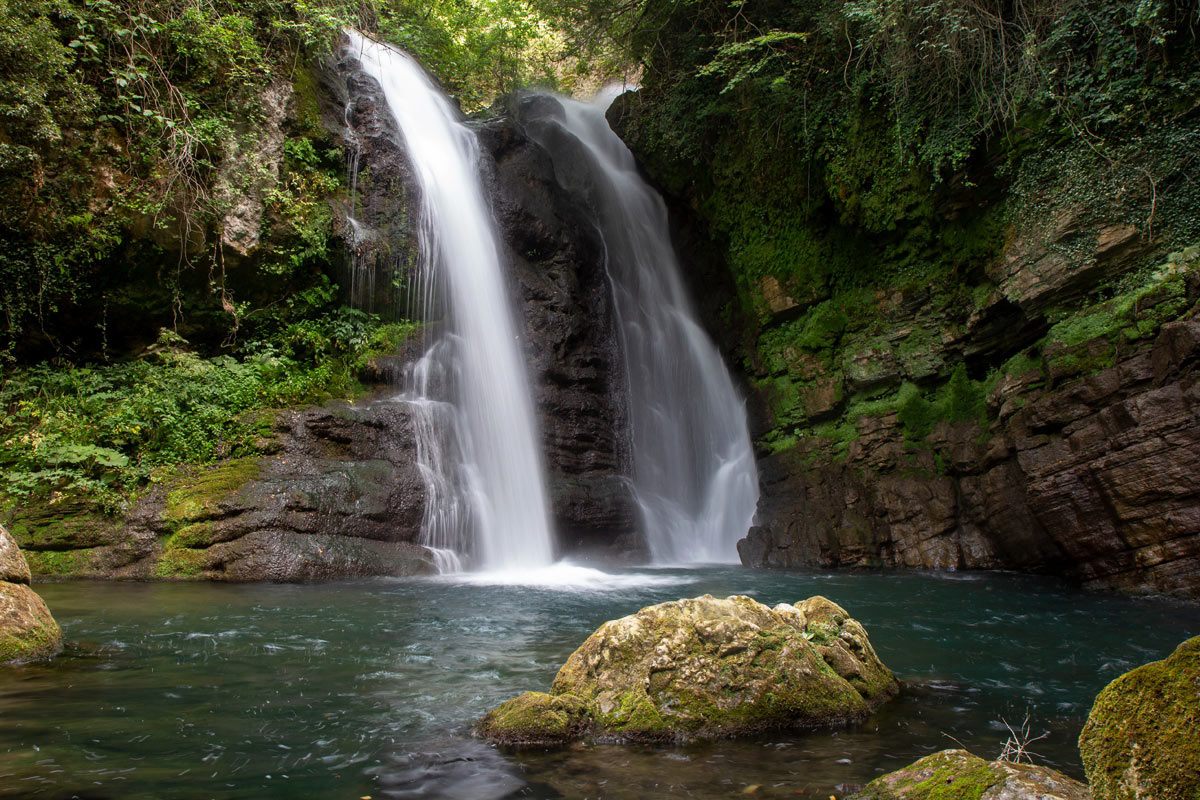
[
  {"x": 27, "y": 630},
  {"x": 1142, "y": 738},
  {"x": 703, "y": 668},
  {"x": 959, "y": 775}
]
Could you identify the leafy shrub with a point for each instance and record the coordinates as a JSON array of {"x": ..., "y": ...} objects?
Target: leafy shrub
[{"x": 104, "y": 430}]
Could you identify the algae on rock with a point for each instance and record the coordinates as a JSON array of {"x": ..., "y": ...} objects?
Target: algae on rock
[
  {"x": 701, "y": 668},
  {"x": 959, "y": 775},
  {"x": 27, "y": 630},
  {"x": 1142, "y": 738}
]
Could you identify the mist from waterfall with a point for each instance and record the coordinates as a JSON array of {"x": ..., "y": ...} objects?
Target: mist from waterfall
[
  {"x": 694, "y": 477},
  {"x": 477, "y": 440}
]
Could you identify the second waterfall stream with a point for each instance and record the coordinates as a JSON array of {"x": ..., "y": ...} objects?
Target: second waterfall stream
[{"x": 694, "y": 477}]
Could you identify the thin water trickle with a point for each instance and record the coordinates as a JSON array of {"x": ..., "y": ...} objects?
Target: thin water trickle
[
  {"x": 477, "y": 437},
  {"x": 694, "y": 476}
]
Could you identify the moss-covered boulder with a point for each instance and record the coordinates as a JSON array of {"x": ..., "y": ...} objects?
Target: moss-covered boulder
[
  {"x": 535, "y": 718},
  {"x": 27, "y": 631},
  {"x": 1142, "y": 739},
  {"x": 959, "y": 775},
  {"x": 703, "y": 668}
]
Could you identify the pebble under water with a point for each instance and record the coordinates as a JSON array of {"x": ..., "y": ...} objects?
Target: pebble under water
[{"x": 369, "y": 688}]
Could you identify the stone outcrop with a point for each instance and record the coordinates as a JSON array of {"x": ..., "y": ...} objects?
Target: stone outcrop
[
  {"x": 27, "y": 630},
  {"x": 958, "y": 775},
  {"x": 703, "y": 668},
  {"x": 1089, "y": 467},
  {"x": 1140, "y": 740},
  {"x": 339, "y": 496}
]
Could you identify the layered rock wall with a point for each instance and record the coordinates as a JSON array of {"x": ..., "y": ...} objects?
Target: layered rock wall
[
  {"x": 339, "y": 495},
  {"x": 1094, "y": 475}
]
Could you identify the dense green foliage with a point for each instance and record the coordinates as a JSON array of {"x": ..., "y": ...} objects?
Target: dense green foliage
[
  {"x": 863, "y": 165},
  {"x": 103, "y": 430},
  {"x": 133, "y": 135},
  {"x": 805, "y": 129},
  {"x": 165, "y": 175}
]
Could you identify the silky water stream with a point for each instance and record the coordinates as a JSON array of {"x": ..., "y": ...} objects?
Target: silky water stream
[{"x": 370, "y": 688}]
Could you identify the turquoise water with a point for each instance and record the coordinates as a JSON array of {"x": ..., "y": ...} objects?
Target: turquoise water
[{"x": 370, "y": 688}]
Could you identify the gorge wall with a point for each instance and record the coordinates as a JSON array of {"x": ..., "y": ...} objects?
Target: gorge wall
[
  {"x": 966, "y": 339},
  {"x": 964, "y": 316}
]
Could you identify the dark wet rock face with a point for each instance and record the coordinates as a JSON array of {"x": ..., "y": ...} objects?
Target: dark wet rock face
[
  {"x": 571, "y": 348},
  {"x": 1095, "y": 476},
  {"x": 379, "y": 222},
  {"x": 340, "y": 496}
]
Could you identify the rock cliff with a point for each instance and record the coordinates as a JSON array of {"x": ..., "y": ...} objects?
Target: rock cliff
[
  {"x": 339, "y": 495},
  {"x": 1086, "y": 464}
]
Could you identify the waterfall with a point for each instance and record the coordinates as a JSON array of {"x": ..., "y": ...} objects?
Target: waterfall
[
  {"x": 694, "y": 476},
  {"x": 476, "y": 437}
]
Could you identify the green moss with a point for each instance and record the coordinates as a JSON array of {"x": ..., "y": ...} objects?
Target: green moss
[
  {"x": 1141, "y": 739},
  {"x": 196, "y": 535},
  {"x": 59, "y": 563},
  {"x": 200, "y": 496},
  {"x": 1136, "y": 313},
  {"x": 948, "y": 775},
  {"x": 181, "y": 563},
  {"x": 70, "y": 523},
  {"x": 534, "y": 717},
  {"x": 635, "y": 716}
]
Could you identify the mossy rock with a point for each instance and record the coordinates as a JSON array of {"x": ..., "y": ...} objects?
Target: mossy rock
[
  {"x": 27, "y": 630},
  {"x": 13, "y": 568},
  {"x": 199, "y": 497},
  {"x": 69, "y": 524},
  {"x": 533, "y": 718},
  {"x": 704, "y": 668},
  {"x": 1142, "y": 738},
  {"x": 959, "y": 775},
  {"x": 181, "y": 563},
  {"x": 61, "y": 563}
]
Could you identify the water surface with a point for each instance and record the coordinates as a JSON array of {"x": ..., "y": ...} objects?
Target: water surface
[{"x": 370, "y": 687}]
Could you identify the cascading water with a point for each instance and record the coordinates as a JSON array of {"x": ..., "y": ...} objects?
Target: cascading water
[
  {"x": 476, "y": 437},
  {"x": 694, "y": 475}
]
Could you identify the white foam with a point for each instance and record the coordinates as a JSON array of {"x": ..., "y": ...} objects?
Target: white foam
[{"x": 566, "y": 576}]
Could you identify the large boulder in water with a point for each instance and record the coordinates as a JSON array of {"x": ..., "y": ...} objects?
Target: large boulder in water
[
  {"x": 959, "y": 775},
  {"x": 1142, "y": 739},
  {"x": 703, "y": 668},
  {"x": 27, "y": 631}
]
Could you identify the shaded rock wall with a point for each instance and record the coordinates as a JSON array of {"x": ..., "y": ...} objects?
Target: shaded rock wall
[
  {"x": 1096, "y": 477},
  {"x": 571, "y": 347},
  {"x": 339, "y": 496}
]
